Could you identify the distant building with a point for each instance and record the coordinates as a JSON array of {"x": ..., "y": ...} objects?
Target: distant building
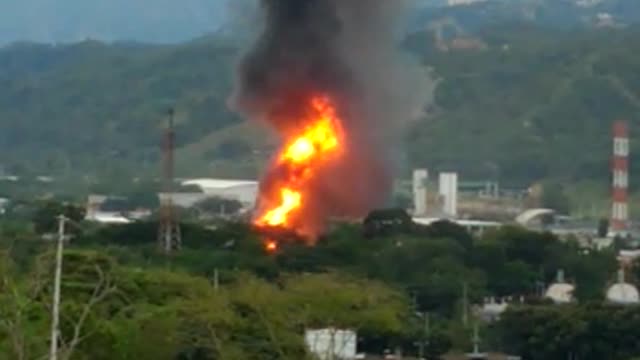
[
  {"x": 3, "y": 205},
  {"x": 94, "y": 204},
  {"x": 534, "y": 217},
  {"x": 476, "y": 227},
  {"x": 420, "y": 178},
  {"x": 244, "y": 191},
  {"x": 448, "y": 189},
  {"x": 183, "y": 200},
  {"x": 330, "y": 343},
  {"x": 109, "y": 218},
  {"x": 623, "y": 293},
  {"x": 492, "y": 308},
  {"x": 560, "y": 292},
  {"x": 96, "y": 210}
]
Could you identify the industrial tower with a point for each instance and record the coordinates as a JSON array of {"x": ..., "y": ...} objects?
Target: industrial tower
[
  {"x": 169, "y": 236},
  {"x": 620, "y": 181}
]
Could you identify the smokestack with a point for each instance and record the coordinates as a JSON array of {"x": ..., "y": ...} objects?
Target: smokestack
[
  {"x": 448, "y": 186},
  {"x": 620, "y": 176},
  {"x": 420, "y": 177}
]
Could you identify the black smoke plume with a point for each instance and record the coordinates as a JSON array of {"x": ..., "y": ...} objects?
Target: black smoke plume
[{"x": 344, "y": 49}]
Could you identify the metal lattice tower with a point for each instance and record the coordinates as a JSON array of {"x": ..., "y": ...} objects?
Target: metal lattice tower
[{"x": 169, "y": 236}]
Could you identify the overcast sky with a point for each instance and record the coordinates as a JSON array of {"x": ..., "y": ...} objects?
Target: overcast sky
[{"x": 142, "y": 20}]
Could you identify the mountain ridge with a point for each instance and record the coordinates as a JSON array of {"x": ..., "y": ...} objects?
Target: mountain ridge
[{"x": 65, "y": 21}]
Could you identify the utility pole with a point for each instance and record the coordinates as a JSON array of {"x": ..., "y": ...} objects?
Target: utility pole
[
  {"x": 55, "y": 308},
  {"x": 476, "y": 338},
  {"x": 465, "y": 305},
  {"x": 216, "y": 280},
  {"x": 423, "y": 346}
]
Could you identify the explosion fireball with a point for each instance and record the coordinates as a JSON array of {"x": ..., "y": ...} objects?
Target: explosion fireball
[
  {"x": 301, "y": 157},
  {"x": 323, "y": 74}
]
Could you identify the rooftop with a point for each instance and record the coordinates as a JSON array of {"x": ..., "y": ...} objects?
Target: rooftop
[{"x": 218, "y": 183}]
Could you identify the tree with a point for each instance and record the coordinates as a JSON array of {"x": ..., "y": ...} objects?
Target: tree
[
  {"x": 603, "y": 227},
  {"x": 374, "y": 308},
  {"x": 22, "y": 324},
  {"x": 386, "y": 222},
  {"x": 438, "y": 344},
  {"x": 45, "y": 217},
  {"x": 444, "y": 229},
  {"x": 554, "y": 197},
  {"x": 590, "y": 331}
]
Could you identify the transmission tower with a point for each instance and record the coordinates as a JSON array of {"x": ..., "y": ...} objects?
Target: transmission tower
[{"x": 169, "y": 237}]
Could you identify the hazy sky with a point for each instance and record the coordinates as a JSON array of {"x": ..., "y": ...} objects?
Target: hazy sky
[{"x": 142, "y": 20}]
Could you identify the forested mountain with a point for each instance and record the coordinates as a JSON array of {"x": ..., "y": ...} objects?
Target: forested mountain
[
  {"x": 548, "y": 13},
  {"x": 515, "y": 101},
  {"x": 529, "y": 103}
]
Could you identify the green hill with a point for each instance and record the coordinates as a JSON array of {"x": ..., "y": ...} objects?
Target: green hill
[
  {"x": 522, "y": 103},
  {"x": 533, "y": 104}
]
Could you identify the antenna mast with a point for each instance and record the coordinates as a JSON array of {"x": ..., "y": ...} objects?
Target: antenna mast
[{"x": 169, "y": 236}]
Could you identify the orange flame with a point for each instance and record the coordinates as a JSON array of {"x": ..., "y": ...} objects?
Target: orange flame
[
  {"x": 304, "y": 152},
  {"x": 271, "y": 246},
  {"x": 290, "y": 200}
]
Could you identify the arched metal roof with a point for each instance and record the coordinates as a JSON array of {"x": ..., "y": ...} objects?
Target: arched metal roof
[{"x": 526, "y": 217}]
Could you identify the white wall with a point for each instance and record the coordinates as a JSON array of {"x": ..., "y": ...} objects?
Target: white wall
[
  {"x": 420, "y": 177},
  {"x": 448, "y": 189},
  {"x": 332, "y": 343}
]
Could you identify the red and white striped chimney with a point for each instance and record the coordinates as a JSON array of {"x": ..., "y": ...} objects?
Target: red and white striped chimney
[{"x": 620, "y": 168}]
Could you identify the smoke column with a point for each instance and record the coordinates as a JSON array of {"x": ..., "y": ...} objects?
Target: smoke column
[{"x": 345, "y": 49}]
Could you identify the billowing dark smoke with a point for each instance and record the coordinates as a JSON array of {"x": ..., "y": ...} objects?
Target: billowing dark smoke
[{"x": 344, "y": 49}]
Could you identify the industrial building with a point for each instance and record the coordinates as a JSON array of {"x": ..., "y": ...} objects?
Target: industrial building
[
  {"x": 330, "y": 343},
  {"x": 244, "y": 191},
  {"x": 96, "y": 212}
]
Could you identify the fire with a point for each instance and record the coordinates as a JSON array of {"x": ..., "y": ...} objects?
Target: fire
[
  {"x": 290, "y": 200},
  {"x": 271, "y": 246},
  {"x": 302, "y": 154}
]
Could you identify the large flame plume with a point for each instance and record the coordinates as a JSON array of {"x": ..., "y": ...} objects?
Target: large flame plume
[
  {"x": 323, "y": 75},
  {"x": 301, "y": 158}
]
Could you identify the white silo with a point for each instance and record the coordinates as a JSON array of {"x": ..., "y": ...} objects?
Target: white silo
[
  {"x": 560, "y": 292},
  {"x": 623, "y": 293},
  {"x": 448, "y": 189},
  {"x": 420, "y": 177}
]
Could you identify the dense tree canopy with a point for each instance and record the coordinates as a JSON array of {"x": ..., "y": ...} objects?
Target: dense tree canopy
[{"x": 224, "y": 297}]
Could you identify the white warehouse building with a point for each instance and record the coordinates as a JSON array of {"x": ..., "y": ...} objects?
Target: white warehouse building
[{"x": 244, "y": 191}]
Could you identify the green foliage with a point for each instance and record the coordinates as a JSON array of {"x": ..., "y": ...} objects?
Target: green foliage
[
  {"x": 535, "y": 104},
  {"x": 45, "y": 217},
  {"x": 554, "y": 197},
  {"x": 114, "y": 97},
  {"x": 590, "y": 331},
  {"x": 129, "y": 313},
  {"x": 223, "y": 296}
]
